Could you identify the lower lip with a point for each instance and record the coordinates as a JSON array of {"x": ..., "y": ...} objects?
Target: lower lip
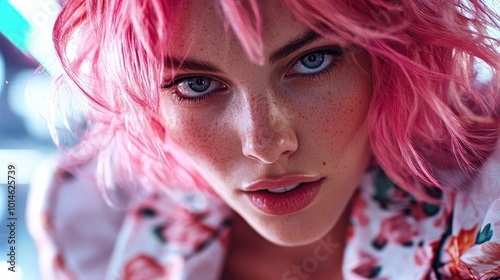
[{"x": 285, "y": 203}]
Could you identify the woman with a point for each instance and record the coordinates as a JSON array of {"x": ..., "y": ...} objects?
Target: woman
[{"x": 261, "y": 140}]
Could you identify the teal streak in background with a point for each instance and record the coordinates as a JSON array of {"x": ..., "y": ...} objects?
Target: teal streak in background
[{"x": 14, "y": 26}]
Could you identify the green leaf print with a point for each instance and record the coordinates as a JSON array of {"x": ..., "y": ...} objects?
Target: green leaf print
[{"x": 485, "y": 234}]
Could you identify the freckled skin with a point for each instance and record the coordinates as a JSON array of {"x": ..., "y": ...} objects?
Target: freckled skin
[{"x": 265, "y": 124}]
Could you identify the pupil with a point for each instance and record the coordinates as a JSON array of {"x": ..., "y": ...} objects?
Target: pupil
[
  {"x": 313, "y": 60},
  {"x": 199, "y": 84}
]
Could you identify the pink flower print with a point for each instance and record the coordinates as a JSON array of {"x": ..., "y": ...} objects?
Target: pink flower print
[
  {"x": 61, "y": 270},
  {"x": 369, "y": 267},
  {"x": 359, "y": 209},
  {"x": 396, "y": 229},
  {"x": 190, "y": 234},
  {"x": 144, "y": 267}
]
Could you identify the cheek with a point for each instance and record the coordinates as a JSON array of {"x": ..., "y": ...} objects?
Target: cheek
[
  {"x": 205, "y": 141},
  {"x": 337, "y": 122}
]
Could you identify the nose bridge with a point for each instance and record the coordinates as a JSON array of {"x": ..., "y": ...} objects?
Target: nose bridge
[
  {"x": 264, "y": 110},
  {"x": 268, "y": 133}
]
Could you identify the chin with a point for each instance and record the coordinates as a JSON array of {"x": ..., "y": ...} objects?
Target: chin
[{"x": 290, "y": 231}]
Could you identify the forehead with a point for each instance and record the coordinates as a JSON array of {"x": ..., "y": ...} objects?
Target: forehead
[{"x": 203, "y": 28}]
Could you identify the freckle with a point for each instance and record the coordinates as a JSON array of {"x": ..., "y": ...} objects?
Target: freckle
[{"x": 324, "y": 163}]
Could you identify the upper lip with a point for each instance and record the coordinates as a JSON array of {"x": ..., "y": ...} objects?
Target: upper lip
[{"x": 279, "y": 182}]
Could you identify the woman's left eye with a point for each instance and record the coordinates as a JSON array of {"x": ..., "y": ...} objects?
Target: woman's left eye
[{"x": 314, "y": 62}]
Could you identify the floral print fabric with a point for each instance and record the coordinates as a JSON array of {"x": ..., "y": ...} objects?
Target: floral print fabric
[
  {"x": 392, "y": 235},
  {"x": 395, "y": 236}
]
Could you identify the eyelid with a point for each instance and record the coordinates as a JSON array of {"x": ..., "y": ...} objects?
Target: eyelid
[
  {"x": 336, "y": 51},
  {"x": 176, "y": 80},
  {"x": 173, "y": 90}
]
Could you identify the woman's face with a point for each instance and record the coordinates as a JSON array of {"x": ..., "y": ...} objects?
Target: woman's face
[{"x": 300, "y": 118}]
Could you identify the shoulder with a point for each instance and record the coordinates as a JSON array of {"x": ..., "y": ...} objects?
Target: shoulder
[
  {"x": 389, "y": 225},
  {"x": 79, "y": 236},
  {"x": 66, "y": 215},
  {"x": 60, "y": 196},
  {"x": 458, "y": 238},
  {"x": 169, "y": 235},
  {"x": 473, "y": 247}
]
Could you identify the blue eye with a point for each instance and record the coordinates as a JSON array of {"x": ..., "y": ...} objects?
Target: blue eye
[
  {"x": 197, "y": 86},
  {"x": 312, "y": 63},
  {"x": 315, "y": 62}
]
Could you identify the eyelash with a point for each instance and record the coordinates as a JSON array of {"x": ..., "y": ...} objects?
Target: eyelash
[
  {"x": 336, "y": 63},
  {"x": 334, "y": 51},
  {"x": 181, "y": 100}
]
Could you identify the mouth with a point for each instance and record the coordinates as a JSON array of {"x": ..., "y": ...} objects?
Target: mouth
[
  {"x": 280, "y": 184},
  {"x": 282, "y": 198},
  {"x": 284, "y": 189}
]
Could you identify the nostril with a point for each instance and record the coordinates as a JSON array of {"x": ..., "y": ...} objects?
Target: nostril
[
  {"x": 269, "y": 149},
  {"x": 267, "y": 133}
]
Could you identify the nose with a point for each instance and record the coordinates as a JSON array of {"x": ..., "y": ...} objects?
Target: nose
[{"x": 267, "y": 133}]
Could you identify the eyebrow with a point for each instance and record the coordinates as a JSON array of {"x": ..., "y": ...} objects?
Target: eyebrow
[
  {"x": 305, "y": 39},
  {"x": 194, "y": 64}
]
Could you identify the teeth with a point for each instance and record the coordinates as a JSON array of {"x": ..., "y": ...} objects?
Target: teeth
[{"x": 285, "y": 189}]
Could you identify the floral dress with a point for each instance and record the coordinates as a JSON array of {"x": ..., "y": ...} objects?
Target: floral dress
[{"x": 392, "y": 234}]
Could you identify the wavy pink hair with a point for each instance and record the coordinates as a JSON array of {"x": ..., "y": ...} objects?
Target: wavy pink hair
[{"x": 430, "y": 117}]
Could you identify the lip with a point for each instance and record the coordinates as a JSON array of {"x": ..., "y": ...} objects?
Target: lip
[
  {"x": 281, "y": 182},
  {"x": 287, "y": 202}
]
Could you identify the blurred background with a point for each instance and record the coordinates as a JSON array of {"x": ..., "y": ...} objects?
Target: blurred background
[{"x": 25, "y": 43}]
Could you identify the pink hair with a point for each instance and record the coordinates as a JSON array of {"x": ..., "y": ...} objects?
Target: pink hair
[{"x": 429, "y": 115}]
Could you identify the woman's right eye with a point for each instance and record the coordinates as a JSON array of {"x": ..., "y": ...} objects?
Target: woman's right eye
[{"x": 195, "y": 87}]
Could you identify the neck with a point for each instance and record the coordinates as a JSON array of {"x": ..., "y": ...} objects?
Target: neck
[{"x": 248, "y": 251}]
